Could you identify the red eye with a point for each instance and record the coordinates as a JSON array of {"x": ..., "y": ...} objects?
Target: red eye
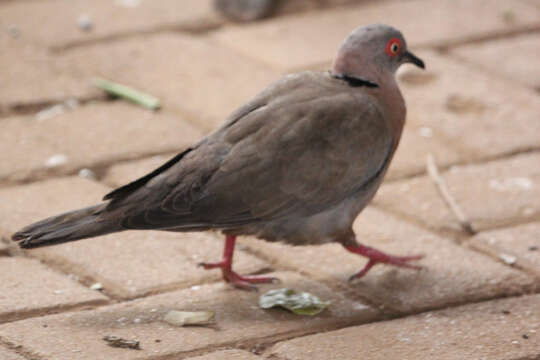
[{"x": 393, "y": 46}]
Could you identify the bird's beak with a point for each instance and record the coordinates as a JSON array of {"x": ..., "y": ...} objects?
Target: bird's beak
[{"x": 409, "y": 57}]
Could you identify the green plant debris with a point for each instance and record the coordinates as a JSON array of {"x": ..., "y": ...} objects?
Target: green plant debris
[
  {"x": 300, "y": 303},
  {"x": 128, "y": 93}
]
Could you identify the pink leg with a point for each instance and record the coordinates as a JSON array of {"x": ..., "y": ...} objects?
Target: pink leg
[
  {"x": 375, "y": 256},
  {"x": 239, "y": 281}
]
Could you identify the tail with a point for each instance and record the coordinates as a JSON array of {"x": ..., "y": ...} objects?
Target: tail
[{"x": 70, "y": 226}]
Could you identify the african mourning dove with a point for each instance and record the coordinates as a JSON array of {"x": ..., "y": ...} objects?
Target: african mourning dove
[{"x": 296, "y": 164}]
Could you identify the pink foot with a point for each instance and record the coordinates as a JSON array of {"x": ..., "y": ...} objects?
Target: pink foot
[
  {"x": 375, "y": 256},
  {"x": 239, "y": 281}
]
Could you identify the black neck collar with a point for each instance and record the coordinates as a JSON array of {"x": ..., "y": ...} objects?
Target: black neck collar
[{"x": 354, "y": 81}]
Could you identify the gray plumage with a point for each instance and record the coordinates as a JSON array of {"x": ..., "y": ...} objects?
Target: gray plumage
[{"x": 297, "y": 163}]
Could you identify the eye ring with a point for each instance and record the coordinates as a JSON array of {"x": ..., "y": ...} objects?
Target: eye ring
[{"x": 393, "y": 46}]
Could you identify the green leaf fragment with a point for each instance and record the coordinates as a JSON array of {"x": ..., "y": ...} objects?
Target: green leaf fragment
[
  {"x": 128, "y": 93},
  {"x": 300, "y": 303}
]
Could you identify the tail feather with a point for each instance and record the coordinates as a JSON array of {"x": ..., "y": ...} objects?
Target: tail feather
[{"x": 70, "y": 226}]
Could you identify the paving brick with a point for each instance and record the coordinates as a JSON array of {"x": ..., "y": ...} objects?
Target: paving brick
[
  {"x": 36, "y": 77},
  {"x": 496, "y": 330},
  {"x": 124, "y": 172},
  {"x": 30, "y": 288},
  {"x": 9, "y": 355},
  {"x": 109, "y": 19},
  {"x": 487, "y": 117},
  {"x": 519, "y": 62},
  {"x": 480, "y": 190},
  {"x": 452, "y": 274},
  {"x": 149, "y": 261},
  {"x": 311, "y": 39},
  {"x": 239, "y": 322},
  {"x": 227, "y": 355},
  {"x": 415, "y": 144},
  {"x": 519, "y": 245},
  {"x": 88, "y": 136},
  {"x": 192, "y": 74}
]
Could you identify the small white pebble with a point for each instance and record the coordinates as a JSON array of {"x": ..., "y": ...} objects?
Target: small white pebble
[
  {"x": 85, "y": 22},
  {"x": 56, "y": 160},
  {"x": 507, "y": 258},
  {"x": 50, "y": 112},
  {"x": 57, "y": 292},
  {"x": 425, "y": 132},
  {"x": 97, "y": 286},
  {"x": 87, "y": 174},
  {"x": 153, "y": 310},
  {"x": 359, "y": 306},
  {"x": 137, "y": 320},
  {"x": 195, "y": 287},
  {"x": 128, "y": 3},
  {"x": 122, "y": 319},
  {"x": 515, "y": 342}
]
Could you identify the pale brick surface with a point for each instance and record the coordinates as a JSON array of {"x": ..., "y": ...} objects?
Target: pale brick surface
[
  {"x": 493, "y": 330},
  {"x": 88, "y": 136},
  {"x": 475, "y": 109},
  {"x": 199, "y": 77},
  {"x": 480, "y": 190},
  {"x": 465, "y": 111},
  {"x": 149, "y": 261},
  {"x": 452, "y": 274},
  {"x": 29, "y": 288},
  {"x": 109, "y": 18},
  {"x": 311, "y": 39},
  {"x": 227, "y": 355},
  {"x": 239, "y": 320},
  {"x": 9, "y": 355},
  {"x": 520, "y": 244},
  {"x": 35, "y": 77},
  {"x": 520, "y": 60},
  {"x": 122, "y": 173}
]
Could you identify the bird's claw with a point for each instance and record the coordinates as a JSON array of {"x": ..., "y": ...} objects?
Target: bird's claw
[
  {"x": 243, "y": 282},
  {"x": 399, "y": 261}
]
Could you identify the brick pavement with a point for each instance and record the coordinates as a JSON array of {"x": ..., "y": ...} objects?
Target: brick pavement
[{"x": 475, "y": 109}]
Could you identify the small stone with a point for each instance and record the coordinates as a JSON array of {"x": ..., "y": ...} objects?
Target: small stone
[
  {"x": 56, "y": 160},
  {"x": 533, "y": 248},
  {"x": 425, "y": 132},
  {"x": 245, "y": 10},
  {"x": 182, "y": 318},
  {"x": 128, "y": 3},
  {"x": 13, "y": 31},
  {"x": 525, "y": 336},
  {"x": 508, "y": 259},
  {"x": 87, "y": 174},
  {"x": 50, "y": 112},
  {"x": 119, "y": 342},
  {"x": 85, "y": 22},
  {"x": 97, "y": 286}
]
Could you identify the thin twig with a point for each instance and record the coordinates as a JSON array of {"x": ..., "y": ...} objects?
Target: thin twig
[{"x": 433, "y": 172}]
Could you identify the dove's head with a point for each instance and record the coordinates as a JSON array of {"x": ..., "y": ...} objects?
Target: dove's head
[{"x": 373, "y": 50}]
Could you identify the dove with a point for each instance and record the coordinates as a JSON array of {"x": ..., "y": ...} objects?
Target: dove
[{"x": 296, "y": 164}]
